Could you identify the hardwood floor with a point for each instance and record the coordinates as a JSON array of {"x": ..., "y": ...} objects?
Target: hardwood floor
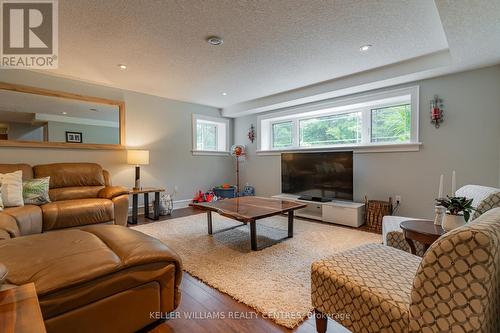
[
  {"x": 201, "y": 304},
  {"x": 204, "y": 309}
]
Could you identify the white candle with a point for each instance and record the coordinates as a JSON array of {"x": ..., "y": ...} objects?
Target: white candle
[
  {"x": 453, "y": 183},
  {"x": 440, "y": 192}
]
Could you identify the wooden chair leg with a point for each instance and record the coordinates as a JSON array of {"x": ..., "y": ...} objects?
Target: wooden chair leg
[{"x": 321, "y": 321}]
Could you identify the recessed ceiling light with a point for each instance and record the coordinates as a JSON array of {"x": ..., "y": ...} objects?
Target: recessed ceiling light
[
  {"x": 64, "y": 112},
  {"x": 214, "y": 40},
  {"x": 224, "y": 94},
  {"x": 122, "y": 66},
  {"x": 365, "y": 48}
]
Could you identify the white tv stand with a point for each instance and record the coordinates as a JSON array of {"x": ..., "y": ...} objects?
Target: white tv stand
[{"x": 337, "y": 211}]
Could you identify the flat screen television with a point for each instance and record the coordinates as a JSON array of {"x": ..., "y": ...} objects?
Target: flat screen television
[{"x": 318, "y": 175}]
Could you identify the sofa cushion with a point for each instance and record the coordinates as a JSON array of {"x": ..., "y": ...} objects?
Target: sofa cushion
[
  {"x": 28, "y": 219},
  {"x": 71, "y": 174},
  {"x": 74, "y": 192},
  {"x": 75, "y": 267},
  {"x": 73, "y": 213},
  {"x": 366, "y": 289},
  {"x": 25, "y": 168},
  {"x": 36, "y": 191},
  {"x": 12, "y": 188}
]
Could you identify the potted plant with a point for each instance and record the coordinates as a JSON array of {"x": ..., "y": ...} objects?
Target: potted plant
[{"x": 458, "y": 210}]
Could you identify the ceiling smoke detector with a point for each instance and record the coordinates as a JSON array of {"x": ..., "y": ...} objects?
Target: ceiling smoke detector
[{"x": 214, "y": 40}]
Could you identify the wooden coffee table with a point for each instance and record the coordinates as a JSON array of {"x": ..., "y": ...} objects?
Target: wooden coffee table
[
  {"x": 423, "y": 231},
  {"x": 249, "y": 210}
]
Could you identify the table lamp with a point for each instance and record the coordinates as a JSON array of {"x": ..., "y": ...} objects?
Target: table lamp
[{"x": 138, "y": 157}]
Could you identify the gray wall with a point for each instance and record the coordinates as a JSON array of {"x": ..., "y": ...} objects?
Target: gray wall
[
  {"x": 163, "y": 126},
  {"x": 468, "y": 141},
  {"x": 90, "y": 133},
  {"x": 25, "y": 132}
]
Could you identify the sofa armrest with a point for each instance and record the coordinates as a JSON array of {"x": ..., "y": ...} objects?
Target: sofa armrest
[
  {"x": 110, "y": 192},
  {"x": 8, "y": 227},
  {"x": 120, "y": 204}
]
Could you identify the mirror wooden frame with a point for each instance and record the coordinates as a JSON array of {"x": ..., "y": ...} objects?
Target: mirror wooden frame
[{"x": 61, "y": 94}]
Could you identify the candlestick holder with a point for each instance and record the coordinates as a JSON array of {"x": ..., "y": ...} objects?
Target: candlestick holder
[{"x": 440, "y": 213}]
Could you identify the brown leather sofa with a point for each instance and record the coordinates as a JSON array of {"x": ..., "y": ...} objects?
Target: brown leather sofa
[
  {"x": 80, "y": 194},
  {"x": 99, "y": 278}
]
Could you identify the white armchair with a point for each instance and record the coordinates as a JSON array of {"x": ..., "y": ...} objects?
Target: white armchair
[{"x": 483, "y": 199}]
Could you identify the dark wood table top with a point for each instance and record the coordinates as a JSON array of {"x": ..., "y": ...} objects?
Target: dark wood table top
[
  {"x": 249, "y": 208},
  {"x": 20, "y": 311},
  {"x": 146, "y": 190},
  {"x": 425, "y": 227}
]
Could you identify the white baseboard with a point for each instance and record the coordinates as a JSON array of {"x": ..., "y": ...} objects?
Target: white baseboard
[{"x": 178, "y": 204}]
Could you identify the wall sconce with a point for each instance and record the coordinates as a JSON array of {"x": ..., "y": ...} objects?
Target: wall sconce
[{"x": 436, "y": 111}]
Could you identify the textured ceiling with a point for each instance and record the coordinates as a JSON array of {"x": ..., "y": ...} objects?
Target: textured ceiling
[{"x": 269, "y": 46}]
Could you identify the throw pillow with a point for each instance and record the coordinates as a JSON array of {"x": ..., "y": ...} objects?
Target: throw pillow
[
  {"x": 12, "y": 189},
  {"x": 1, "y": 202},
  {"x": 490, "y": 202},
  {"x": 36, "y": 191}
]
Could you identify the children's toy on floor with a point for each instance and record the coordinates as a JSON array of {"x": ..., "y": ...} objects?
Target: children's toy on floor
[
  {"x": 225, "y": 191},
  {"x": 248, "y": 191},
  {"x": 205, "y": 197}
]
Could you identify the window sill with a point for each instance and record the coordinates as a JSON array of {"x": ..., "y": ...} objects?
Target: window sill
[
  {"x": 357, "y": 149},
  {"x": 209, "y": 152}
]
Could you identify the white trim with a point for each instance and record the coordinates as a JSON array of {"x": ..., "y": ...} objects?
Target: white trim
[
  {"x": 76, "y": 120},
  {"x": 362, "y": 103},
  {"x": 209, "y": 152},
  {"x": 178, "y": 204},
  {"x": 357, "y": 149}
]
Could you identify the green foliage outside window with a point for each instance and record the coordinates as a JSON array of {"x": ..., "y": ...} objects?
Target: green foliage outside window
[
  {"x": 206, "y": 136},
  {"x": 282, "y": 135},
  {"x": 331, "y": 130},
  {"x": 391, "y": 124}
]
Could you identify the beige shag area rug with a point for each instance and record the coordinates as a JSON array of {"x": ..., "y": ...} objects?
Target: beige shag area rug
[{"x": 274, "y": 281}]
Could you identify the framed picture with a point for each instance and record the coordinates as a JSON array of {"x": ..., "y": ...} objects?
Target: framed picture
[{"x": 74, "y": 137}]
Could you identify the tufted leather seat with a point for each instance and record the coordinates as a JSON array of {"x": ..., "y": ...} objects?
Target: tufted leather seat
[
  {"x": 102, "y": 278},
  {"x": 74, "y": 213}
]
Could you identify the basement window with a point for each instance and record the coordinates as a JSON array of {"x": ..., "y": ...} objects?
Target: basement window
[
  {"x": 210, "y": 135},
  {"x": 385, "y": 121}
]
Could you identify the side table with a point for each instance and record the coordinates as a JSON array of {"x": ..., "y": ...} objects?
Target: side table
[
  {"x": 425, "y": 232},
  {"x": 135, "y": 203},
  {"x": 20, "y": 311}
]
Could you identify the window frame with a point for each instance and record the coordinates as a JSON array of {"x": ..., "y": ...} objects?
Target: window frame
[
  {"x": 364, "y": 103},
  {"x": 222, "y": 135},
  {"x": 294, "y": 128}
]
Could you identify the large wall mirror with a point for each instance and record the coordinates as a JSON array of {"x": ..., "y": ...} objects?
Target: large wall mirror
[{"x": 34, "y": 117}]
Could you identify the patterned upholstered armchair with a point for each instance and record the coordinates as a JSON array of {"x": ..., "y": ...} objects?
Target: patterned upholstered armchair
[
  {"x": 484, "y": 199},
  {"x": 455, "y": 287}
]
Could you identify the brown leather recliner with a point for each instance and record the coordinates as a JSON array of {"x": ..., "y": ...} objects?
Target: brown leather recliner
[
  {"x": 80, "y": 194},
  {"x": 99, "y": 278}
]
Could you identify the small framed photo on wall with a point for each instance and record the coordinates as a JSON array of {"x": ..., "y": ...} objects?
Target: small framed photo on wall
[{"x": 74, "y": 137}]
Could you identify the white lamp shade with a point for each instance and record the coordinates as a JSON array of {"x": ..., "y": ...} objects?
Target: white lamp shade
[{"x": 138, "y": 157}]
